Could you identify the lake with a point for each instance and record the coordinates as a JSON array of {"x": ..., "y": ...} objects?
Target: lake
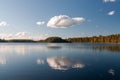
[{"x": 59, "y": 61}]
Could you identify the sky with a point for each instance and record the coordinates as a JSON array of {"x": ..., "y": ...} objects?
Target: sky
[{"x": 39, "y": 19}]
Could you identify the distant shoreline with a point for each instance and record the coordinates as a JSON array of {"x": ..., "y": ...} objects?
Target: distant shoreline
[{"x": 109, "y": 39}]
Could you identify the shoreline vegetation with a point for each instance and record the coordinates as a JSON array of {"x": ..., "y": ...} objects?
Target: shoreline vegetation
[{"x": 110, "y": 39}]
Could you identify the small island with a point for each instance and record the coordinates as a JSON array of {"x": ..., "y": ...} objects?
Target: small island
[{"x": 114, "y": 38}]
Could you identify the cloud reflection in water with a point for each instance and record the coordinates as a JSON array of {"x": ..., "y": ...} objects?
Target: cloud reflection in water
[
  {"x": 2, "y": 60},
  {"x": 111, "y": 71},
  {"x": 64, "y": 63},
  {"x": 20, "y": 49},
  {"x": 40, "y": 61}
]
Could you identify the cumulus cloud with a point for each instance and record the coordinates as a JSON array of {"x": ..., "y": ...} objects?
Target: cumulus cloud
[
  {"x": 109, "y": 1},
  {"x": 64, "y": 63},
  {"x": 3, "y": 24},
  {"x": 111, "y": 13},
  {"x": 39, "y": 23},
  {"x": 64, "y": 21}
]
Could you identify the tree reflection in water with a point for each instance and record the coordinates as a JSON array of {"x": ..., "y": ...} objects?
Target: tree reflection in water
[{"x": 109, "y": 48}]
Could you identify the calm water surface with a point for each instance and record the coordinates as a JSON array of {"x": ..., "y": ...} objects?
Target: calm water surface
[{"x": 39, "y": 61}]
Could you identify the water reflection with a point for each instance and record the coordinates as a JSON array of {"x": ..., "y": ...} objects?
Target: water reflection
[
  {"x": 64, "y": 63},
  {"x": 20, "y": 49},
  {"x": 112, "y": 72},
  {"x": 2, "y": 60},
  {"x": 54, "y": 46},
  {"x": 109, "y": 48},
  {"x": 40, "y": 61},
  {"x": 100, "y": 47},
  {"x": 46, "y": 59}
]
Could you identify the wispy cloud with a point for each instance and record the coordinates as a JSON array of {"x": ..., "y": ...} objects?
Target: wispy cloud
[
  {"x": 19, "y": 35},
  {"x": 3, "y": 24},
  {"x": 39, "y": 23},
  {"x": 22, "y": 35},
  {"x": 64, "y": 21},
  {"x": 39, "y": 37},
  {"x": 109, "y": 1},
  {"x": 111, "y": 13}
]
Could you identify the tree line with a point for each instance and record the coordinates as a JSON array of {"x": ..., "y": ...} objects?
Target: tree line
[{"x": 114, "y": 38}]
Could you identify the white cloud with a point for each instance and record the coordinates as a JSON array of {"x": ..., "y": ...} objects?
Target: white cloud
[
  {"x": 3, "y": 36},
  {"x": 109, "y": 1},
  {"x": 21, "y": 34},
  {"x": 111, "y": 13},
  {"x": 9, "y": 35},
  {"x": 63, "y": 63},
  {"x": 39, "y": 23},
  {"x": 63, "y": 21},
  {"x": 3, "y": 24},
  {"x": 39, "y": 37}
]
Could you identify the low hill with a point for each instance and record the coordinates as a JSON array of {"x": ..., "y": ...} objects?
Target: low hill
[{"x": 55, "y": 40}]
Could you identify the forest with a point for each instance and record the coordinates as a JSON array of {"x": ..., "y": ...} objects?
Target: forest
[{"x": 114, "y": 38}]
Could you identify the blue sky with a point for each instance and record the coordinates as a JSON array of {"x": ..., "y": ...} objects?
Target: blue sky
[{"x": 66, "y": 18}]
